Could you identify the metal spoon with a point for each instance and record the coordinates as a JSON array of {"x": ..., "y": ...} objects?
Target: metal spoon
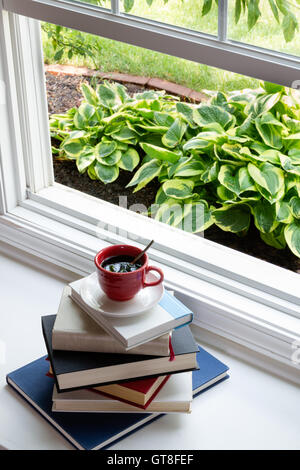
[{"x": 141, "y": 253}]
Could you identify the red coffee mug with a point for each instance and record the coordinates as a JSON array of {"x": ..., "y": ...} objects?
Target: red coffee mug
[{"x": 124, "y": 286}]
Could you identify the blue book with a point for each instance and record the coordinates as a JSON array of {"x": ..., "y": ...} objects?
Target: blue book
[{"x": 84, "y": 430}]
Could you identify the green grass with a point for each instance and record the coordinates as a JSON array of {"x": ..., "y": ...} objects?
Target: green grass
[{"x": 117, "y": 56}]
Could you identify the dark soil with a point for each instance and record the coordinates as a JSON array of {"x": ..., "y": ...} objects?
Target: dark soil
[{"x": 64, "y": 93}]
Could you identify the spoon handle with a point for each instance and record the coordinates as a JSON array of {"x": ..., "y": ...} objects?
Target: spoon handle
[{"x": 142, "y": 252}]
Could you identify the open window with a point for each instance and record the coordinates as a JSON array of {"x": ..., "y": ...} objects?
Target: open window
[{"x": 68, "y": 226}]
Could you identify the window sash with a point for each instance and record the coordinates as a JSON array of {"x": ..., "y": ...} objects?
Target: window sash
[
  {"x": 12, "y": 172},
  {"x": 247, "y": 275},
  {"x": 191, "y": 45},
  {"x": 48, "y": 228}
]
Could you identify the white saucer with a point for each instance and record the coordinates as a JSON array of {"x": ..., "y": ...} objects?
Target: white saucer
[{"x": 146, "y": 298}]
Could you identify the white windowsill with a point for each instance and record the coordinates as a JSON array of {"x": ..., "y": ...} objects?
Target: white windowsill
[
  {"x": 235, "y": 271},
  {"x": 218, "y": 311},
  {"x": 253, "y": 409}
]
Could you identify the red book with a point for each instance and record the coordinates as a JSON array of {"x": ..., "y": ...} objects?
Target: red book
[{"x": 136, "y": 392}]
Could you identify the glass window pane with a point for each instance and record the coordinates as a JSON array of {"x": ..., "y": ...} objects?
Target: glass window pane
[
  {"x": 99, "y": 3},
  {"x": 187, "y": 13},
  {"x": 137, "y": 148},
  {"x": 267, "y": 32}
]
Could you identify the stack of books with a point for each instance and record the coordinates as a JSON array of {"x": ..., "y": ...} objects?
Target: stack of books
[{"x": 132, "y": 369}]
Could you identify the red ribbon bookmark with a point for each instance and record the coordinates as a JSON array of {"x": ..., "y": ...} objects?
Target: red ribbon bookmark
[{"x": 172, "y": 355}]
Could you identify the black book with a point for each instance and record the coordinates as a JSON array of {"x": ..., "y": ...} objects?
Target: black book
[{"x": 74, "y": 370}]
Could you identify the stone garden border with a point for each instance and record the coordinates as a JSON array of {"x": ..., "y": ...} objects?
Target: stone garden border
[{"x": 157, "y": 83}]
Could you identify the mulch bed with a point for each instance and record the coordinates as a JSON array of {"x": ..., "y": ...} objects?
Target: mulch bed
[{"x": 64, "y": 93}]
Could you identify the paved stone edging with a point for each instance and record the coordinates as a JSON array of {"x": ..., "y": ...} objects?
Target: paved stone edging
[{"x": 170, "y": 87}]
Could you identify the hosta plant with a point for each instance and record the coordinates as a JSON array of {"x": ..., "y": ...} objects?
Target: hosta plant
[{"x": 227, "y": 161}]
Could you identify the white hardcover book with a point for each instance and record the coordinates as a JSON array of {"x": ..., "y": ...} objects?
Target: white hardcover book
[
  {"x": 75, "y": 330},
  {"x": 168, "y": 314},
  {"x": 174, "y": 397}
]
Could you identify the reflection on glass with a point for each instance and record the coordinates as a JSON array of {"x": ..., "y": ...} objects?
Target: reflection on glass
[
  {"x": 267, "y": 32},
  {"x": 184, "y": 13}
]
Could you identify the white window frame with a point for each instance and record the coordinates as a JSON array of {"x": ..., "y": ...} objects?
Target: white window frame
[{"x": 235, "y": 296}]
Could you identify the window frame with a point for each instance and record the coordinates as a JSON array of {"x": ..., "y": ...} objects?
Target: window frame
[
  {"x": 218, "y": 51},
  {"x": 37, "y": 217}
]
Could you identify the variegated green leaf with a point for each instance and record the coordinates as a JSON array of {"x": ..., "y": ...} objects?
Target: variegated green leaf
[
  {"x": 295, "y": 207},
  {"x": 107, "y": 174},
  {"x": 186, "y": 111},
  {"x": 236, "y": 180},
  {"x": 85, "y": 159},
  {"x": 195, "y": 143},
  {"x": 87, "y": 111},
  {"x": 121, "y": 146},
  {"x": 160, "y": 153},
  {"x": 121, "y": 91},
  {"x": 175, "y": 133},
  {"x": 292, "y": 237},
  {"x": 292, "y": 139},
  {"x": 275, "y": 238},
  {"x": 89, "y": 94},
  {"x": 163, "y": 119},
  {"x": 288, "y": 166},
  {"x": 233, "y": 218},
  {"x": 73, "y": 148},
  {"x": 197, "y": 217},
  {"x": 262, "y": 104},
  {"x": 170, "y": 212},
  {"x": 104, "y": 149},
  {"x": 271, "y": 156},
  {"x": 171, "y": 169},
  {"x": 129, "y": 160},
  {"x": 163, "y": 174},
  {"x": 212, "y": 136},
  {"x": 112, "y": 159},
  {"x": 271, "y": 134},
  {"x": 265, "y": 216},
  {"x": 107, "y": 96},
  {"x": 245, "y": 181},
  {"x": 225, "y": 194},
  {"x": 124, "y": 134},
  {"x": 160, "y": 197},
  {"x": 210, "y": 173},
  {"x": 191, "y": 168},
  {"x": 283, "y": 212},
  {"x": 91, "y": 172},
  {"x": 224, "y": 158},
  {"x": 207, "y": 114},
  {"x": 227, "y": 177},
  {"x": 145, "y": 174},
  {"x": 178, "y": 188},
  {"x": 294, "y": 155},
  {"x": 269, "y": 178},
  {"x": 237, "y": 151}
]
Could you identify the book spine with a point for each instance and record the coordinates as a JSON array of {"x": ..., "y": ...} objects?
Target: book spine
[{"x": 68, "y": 341}]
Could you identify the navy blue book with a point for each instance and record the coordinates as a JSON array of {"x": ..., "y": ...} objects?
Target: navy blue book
[{"x": 84, "y": 430}]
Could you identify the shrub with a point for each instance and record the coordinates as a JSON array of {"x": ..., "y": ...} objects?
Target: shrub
[{"x": 222, "y": 162}]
